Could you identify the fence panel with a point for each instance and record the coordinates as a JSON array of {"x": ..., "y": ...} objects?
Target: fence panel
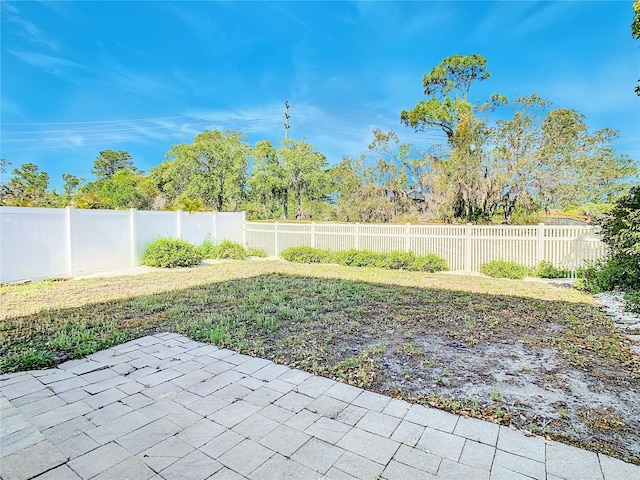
[
  {"x": 150, "y": 226},
  {"x": 194, "y": 227},
  {"x": 571, "y": 247},
  {"x": 229, "y": 226},
  {"x": 100, "y": 240},
  {"x": 504, "y": 242},
  {"x": 32, "y": 241},
  {"x": 336, "y": 237},
  {"x": 38, "y": 243},
  {"x": 447, "y": 241},
  {"x": 465, "y": 247}
]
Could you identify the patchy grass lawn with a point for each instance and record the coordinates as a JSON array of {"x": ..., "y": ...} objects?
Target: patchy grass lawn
[{"x": 533, "y": 355}]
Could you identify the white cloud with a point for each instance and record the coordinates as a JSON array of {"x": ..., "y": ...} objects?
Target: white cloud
[{"x": 34, "y": 34}]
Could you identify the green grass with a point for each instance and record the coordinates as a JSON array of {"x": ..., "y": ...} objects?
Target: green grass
[
  {"x": 262, "y": 312},
  {"x": 346, "y": 323}
]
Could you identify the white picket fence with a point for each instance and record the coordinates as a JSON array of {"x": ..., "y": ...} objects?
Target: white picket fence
[
  {"x": 465, "y": 247},
  {"x": 38, "y": 243}
]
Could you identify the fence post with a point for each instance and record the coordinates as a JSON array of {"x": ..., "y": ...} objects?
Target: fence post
[
  {"x": 356, "y": 236},
  {"x": 133, "y": 237},
  {"x": 69, "y": 239},
  {"x": 275, "y": 243},
  {"x": 313, "y": 234},
  {"x": 540, "y": 242},
  {"x": 407, "y": 237},
  {"x": 467, "y": 247},
  {"x": 179, "y": 223},
  {"x": 244, "y": 229}
]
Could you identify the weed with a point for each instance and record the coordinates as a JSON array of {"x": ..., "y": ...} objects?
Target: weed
[{"x": 495, "y": 395}]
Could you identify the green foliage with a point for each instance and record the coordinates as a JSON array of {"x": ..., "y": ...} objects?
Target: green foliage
[
  {"x": 286, "y": 181},
  {"x": 256, "y": 252},
  {"x": 212, "y": 169},
  {"x": 207, "y": 247},
  {"x": 123, "y": 190},
  {"x": 546, "y": 270},
  {"x": 109, "y": 162},
  {"x": 429, "y": 263},
  {"x": 27, "y": 188},
  {"x": 621, "y": 232},
  {"x": 171, "y": 252},
  {"x": 590, "y": 209},
  {"x": 504, "y": 269},
  {"x": 613, "y": 273},
  {"x": 358, "y": 258},
  {"x": 621, "y": 227},
  {"x": 28, "y": 359},
  {"x": 633, "y": 301},
  {"x": 367, "y": 258},
  {"x": 307, "y": 255},
  {"x": 224, "y": 250}
]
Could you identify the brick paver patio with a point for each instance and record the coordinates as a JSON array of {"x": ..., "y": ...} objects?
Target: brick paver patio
[{"x": 166, "y": 407}]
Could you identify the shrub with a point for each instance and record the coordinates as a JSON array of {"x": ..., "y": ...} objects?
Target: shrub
[
  {"x": 397, "y": 260},
  {"x": 633, "y": 301},
  {"x": 359, "y": 258},
  {"x": 228, "y": 250},
  {"x": 171, "y": 252},
  {"x": 608, "y": 274},
  {"x": 546, "y": 270},
  {"x": 429, "y": 263},
  {"x": 306, "y": 255},
  {"x": 256, "y": 252},
  {"x": 504, "y": 269},
  {"x": 621, "y": 232},
  {"x": 367, "y": 258}
]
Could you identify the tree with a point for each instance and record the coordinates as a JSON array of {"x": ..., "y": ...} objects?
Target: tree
[
  {"x": 124, "y": 190},
  {"x": 268, "y": 184},
  {"x": 305, "y": 173},
  {"x": 358, "y": 195},
  {"x": 215, "y": 169},
  {"x": 548, "y": 158},
  {"x": 172, "y": 179},
  {"x": 71, "y": 183},
  {"x": 109, "y": 162},
  {"x": 448, "y": 109},
  {"x": 514, "y": 161},
  {"x": 27, "y": 188},
  {"x": 290, "y": 178}
]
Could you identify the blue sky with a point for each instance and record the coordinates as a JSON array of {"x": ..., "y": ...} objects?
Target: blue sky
[{"x": 81, "y": 77}]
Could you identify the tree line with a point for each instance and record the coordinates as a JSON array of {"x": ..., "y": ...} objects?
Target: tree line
[{"x": 532, "y": 157}]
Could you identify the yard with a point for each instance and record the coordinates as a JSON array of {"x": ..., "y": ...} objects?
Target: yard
[{"x": 537, "y": 356}]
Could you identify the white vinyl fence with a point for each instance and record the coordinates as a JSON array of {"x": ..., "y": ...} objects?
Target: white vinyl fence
[
  {"x": 38, "y": 243},
  {"x": 465, "y": 247}
]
